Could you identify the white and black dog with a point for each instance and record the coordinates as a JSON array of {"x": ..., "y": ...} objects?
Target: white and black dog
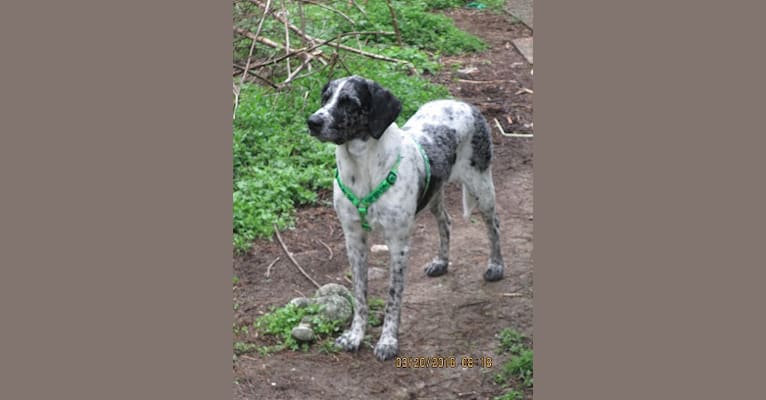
[{"x": 386, "y": 175}]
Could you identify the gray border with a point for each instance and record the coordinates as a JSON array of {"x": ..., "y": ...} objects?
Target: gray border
[
  {"x": 649, "y": 200},
  {"x": 115, "y": 163}
]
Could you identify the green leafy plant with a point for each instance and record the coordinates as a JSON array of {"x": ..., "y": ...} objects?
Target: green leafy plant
[
  {"x": 519, "y": 368},
  {"x": 511, "y": 395},
  {"x": 281, "y": 321},
  {"x": 376, "y": 306},
  {"x": 511, "y": 341},
  {"x": 242, "y": 348}
]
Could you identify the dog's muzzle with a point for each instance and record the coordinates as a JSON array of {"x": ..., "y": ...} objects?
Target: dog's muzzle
[{"x": 315, "y": 123}]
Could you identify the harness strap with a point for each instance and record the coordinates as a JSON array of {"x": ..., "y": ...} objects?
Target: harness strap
[
  {"x": 427, "y": 163},
  {"x": 362, "y": 204}
]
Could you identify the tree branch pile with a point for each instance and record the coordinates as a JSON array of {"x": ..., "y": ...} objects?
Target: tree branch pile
[{"x": 276, "y": 60}]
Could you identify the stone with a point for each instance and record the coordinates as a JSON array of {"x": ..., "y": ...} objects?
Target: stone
[
  {"x": 334, "y": 308},
  {"x": 303, "y": 333},
  {"x": 301, "y": 302},
  {"x": 466, "y": 73},
  {"x": 333, "y": 288},
  {"x": 379, "y": 248}
]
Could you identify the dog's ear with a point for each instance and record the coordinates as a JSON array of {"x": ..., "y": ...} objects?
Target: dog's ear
[{"x": 384, "y": 109}]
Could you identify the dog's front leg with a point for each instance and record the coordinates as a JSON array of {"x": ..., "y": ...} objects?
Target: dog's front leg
[
  {"x": 356, "y": 248},
  {"x": 398, "y": 244}
]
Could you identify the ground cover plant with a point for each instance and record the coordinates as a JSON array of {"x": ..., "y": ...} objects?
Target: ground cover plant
[
  {"x": 276, "y": 164},
  {"x": 517, "y": 370}
]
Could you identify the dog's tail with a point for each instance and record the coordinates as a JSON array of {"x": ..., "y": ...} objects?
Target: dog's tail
[{"x": 469, "y": 202}]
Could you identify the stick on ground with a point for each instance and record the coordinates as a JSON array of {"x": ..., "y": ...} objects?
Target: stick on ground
[
  {"x": 290, "y": 256},
  {"x": 268, "y": 269},
  {"x": 502, "y": 132}
]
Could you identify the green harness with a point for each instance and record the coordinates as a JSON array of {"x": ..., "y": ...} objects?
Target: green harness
[{"x": 363, "y": 204}]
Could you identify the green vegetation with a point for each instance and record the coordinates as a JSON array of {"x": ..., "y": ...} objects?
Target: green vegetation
[
  {"x": 518, "y": 369},
  {"x": 281, "y": 321},
  {"x": 376, "y": 306},
  {"x": 277, "y": 165},
  {"x": 494, "y": 5},
  {"x": 511, "y": 395}
]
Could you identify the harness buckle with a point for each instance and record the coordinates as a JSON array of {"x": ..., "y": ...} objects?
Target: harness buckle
[{"x": 391, "y": 178}]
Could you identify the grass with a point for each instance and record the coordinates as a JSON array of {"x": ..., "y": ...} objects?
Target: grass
[{"x": 518, "y": 369}]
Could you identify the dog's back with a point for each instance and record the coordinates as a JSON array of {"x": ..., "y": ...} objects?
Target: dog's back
[{"x": 457, "y": 139}]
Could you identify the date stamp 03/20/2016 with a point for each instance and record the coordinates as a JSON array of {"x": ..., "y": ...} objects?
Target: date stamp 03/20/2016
[{"x": 443, "y": 362}]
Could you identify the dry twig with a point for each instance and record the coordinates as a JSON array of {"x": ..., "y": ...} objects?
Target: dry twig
[
  {"x": 290, "y": 256},
  {"x": 326, "y": 247},
  {"x": 287, "y": 38},
  {"x": 479, "y": 82},
  {"x": 502, "y": 132},
  {"x": 395, "y": 23},
  {"x": 268, "y": 269},
  {"x": 344, "y": 47},
  {"x": 249, "y": 56},
  {"x": 326, "y": 7},
  {"x": 524, "y": 90}
]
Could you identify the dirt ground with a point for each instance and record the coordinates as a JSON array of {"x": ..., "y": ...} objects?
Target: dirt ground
[{"x": 457, "y": 314}]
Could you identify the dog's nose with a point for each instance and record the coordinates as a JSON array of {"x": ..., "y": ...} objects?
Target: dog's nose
[{"x": 315, "y": 123}]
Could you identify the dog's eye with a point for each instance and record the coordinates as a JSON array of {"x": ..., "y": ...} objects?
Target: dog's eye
[
  {"x": 325, "y": 97},
  {"x": 349, "y": 101}
]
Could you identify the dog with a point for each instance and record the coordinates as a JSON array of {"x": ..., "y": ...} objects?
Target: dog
[{"x": 446, "y": 140}]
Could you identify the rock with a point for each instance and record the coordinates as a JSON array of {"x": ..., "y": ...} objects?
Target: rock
[
  {"x": 333, "y": 288},
  {"x": 379, "y": 248},
  {"x": 301, "y": 302},
  {"x": 334, "y": 308},
  {"x": 465, "y": 73},
  {"x": 303, "y": 333},
  {"x": 376, "y": 273}
]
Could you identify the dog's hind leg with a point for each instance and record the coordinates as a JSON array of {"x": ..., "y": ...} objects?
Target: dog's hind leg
[
  {"x": 357, "y": 250},
  {"x": 479, "y": 183},
  {"x": 438, "y": 266}
]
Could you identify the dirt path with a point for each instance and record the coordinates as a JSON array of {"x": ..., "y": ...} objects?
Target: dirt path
[{"x": 457, "y": 314}]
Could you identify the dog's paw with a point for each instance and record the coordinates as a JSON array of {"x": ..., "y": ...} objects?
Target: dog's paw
[
  {"x": 494, "y": 272},
  {"x": 436, "y": 267},
  {"x": 386, "y": 349},
  {"x": 349, "y": 341}
]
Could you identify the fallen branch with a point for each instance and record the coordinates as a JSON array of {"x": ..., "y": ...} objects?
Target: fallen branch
[
  {"x": 344, "y": 47},
  {"x": 249, "y": 56},
  {"x": 326, "y": 247},
  {"x": 287, "y": 38},
  {"x": 305, "y": 49},
  {"x": 395, "y": 23},
  {"x": 479, "y": 82},
  {"x": 361, "y": 10},
  {"x": 290, "y": 256},
  {"x": 271, "y": 43},
  {"x": 513, "y": 294},
  {"x": 253, "y": 73},
  {"x": 502, "y": 132},
  {"x": 524, "y": 90},
  {"x": 326, "y": 7},
  {"x": 268, "y": 269}
]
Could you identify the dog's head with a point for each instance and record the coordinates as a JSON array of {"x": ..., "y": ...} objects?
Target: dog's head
[{"x": 353, "y": 108}]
